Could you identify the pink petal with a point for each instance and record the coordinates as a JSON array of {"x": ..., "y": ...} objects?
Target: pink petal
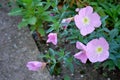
[
  {"x": 87, "y": 30},
  {"x": 52, "y": 37},
  {"x": 103, "y": 56},
  {"x": 86, "y": 11},
  {"x": 104, "y": 43},
  {"x": 80, "y": 45},
  {"x": 78, "y": 21},
  {"x": 82, "y": 11},
  {"x": 81, "y": 56},
  {"x": 89, "y": 10},
  {"x": 91, "y": 54},
  {"x": 34, "y": 65},
  {"x": 95, "y": 19}
]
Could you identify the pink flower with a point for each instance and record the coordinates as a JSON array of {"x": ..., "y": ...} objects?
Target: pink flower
[
  {"x": 34, "y": 65},
  {"x": 82, "y": 54},
  {"x": 97, "y": 50},
  {"x": 52, "y": 37},
  {"x": 87, "y": 21},
  {"x": 52, "y": 14},
  {"x": 65, "y": 22}
]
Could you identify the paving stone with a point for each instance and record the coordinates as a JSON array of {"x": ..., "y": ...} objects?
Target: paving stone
[{"x": 17, "y": 47}]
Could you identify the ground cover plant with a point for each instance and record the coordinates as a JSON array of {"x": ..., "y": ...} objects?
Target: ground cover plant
[{"x": 73, "y": 33}]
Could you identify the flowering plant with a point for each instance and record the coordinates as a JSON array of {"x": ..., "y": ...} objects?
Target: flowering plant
[{"x": 92, "y": 26}]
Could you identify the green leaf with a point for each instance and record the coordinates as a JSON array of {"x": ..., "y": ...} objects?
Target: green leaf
[
  {"x": 32, "y": 28},
  {"x": 50, "y": 29},
  {"x": 15, "y": 12},
  {"x": 68, "y": 63},
  {"x": 66, "y": 77},
  {"x": 43, "y": 56},
  {"x": 71, "y": 67},
  {"x": 112, "y": 57},
  {"x": 47, "y": 5},
  {"x": 52, "y": 68},
  {"x": 52, "y": 51},
  {"x": 104, "y": 18},
  {"x": 32, "y": 20},
  {"x": 117, "y": 62},
  {"x": 114, "y": 33},
  {"x": 41, "y": 31},
  {"x": 61, "y": 53},
  {"x": 110, "y": 64},
  {"x": 27, "y": 1},
  {"x": 71, "y": 37},
  {"x": 22, "y": 24}
]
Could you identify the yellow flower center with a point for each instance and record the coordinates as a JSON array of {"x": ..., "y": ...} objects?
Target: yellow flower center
[
  {"x": 86, "y": 20},
  {"x": 99, "y": 50}
]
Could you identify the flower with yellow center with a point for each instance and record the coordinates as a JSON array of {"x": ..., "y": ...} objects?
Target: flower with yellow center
[
  {"x": 97, "y": 50},
  {"x": 87, "y": 20}
]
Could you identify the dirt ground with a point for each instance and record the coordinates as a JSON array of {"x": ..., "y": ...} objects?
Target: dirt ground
[{"x": 17, "y": 47}]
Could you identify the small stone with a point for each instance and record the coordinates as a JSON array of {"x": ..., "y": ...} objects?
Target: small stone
[
  {"x": 6, "y": 34},
  {"x": 108, "y": 79},
  {"x": 9, "y": 38},
  {"x": 24, "y": 49},
  {"x": 20, "y": 42},
  {"x": 58, "y": 76},
  {"x": 46, "y": 51},
  {"x": 15, "y": 46},
  {"x": 72, "y": 74},
  {"x": 81, "y": 76},
  {"x": 47, "y": 44}
]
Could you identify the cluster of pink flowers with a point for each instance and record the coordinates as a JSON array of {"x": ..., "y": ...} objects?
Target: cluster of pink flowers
[{"x": 96, "y": 50}]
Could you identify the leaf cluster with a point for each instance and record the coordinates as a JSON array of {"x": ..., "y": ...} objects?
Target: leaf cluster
[{"x": 58, "y": 59}]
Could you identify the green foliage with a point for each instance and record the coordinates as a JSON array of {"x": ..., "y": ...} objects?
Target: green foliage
[
  {"x": 111, "y": 31},
  {"x": 34, "y": 13},
  {"x": 15, "y": 12},
  {"x": 58, "y": 58},
  {"x": 66, "y": 77}
]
